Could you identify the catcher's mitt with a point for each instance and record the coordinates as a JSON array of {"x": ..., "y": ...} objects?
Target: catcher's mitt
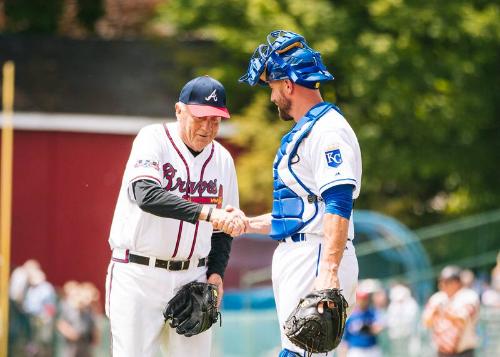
[
  {"x": 318, "y": 329},
  {"x": 193, "y": 309}
]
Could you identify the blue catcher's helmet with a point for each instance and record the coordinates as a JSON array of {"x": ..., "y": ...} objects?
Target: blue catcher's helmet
[{"x": 286, "y": 56}]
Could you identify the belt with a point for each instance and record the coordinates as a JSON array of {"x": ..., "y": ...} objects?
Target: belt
[
  {"x": 172, "y": 265},
  {"x": 298, "y": 237}
]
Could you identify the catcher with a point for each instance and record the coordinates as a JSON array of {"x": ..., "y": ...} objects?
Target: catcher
[{"x": 317, "y": 176}]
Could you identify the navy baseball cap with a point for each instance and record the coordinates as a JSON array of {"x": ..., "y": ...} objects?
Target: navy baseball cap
[{"x": 205, "y": 96}]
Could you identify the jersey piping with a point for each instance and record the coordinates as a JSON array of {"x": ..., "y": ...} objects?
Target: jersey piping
[{"x": 187, "y": 195}]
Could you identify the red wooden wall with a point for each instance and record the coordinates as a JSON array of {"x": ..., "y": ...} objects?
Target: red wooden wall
[{"x": 64, "y": 191}]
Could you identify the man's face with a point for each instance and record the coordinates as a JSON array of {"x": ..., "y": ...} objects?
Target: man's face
[
  {"x": 363, "y": 302},
  {"x": 449, "y": 286},
  {"x": 279, "y": 99},
  {"x": 196, "y": 132}
]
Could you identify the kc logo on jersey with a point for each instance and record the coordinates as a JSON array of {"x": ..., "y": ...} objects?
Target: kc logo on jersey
[{"x": 333, "y": 157}]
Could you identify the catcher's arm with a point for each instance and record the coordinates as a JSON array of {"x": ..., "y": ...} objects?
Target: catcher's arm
[
  {"x": 338, "y": 201},
  {"x": 335, "y": 230},
  {"x": 260, "y": 224},
  {"x": 338, "y": 207}
]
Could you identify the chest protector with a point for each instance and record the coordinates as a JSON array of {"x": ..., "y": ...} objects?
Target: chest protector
[{"x": 294, "y": 205}]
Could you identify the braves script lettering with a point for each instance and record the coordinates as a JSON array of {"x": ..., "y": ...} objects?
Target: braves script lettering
[{"x": 178, "y": 184}]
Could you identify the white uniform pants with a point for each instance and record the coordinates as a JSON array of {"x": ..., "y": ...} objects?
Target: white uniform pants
[
  {"x": 295, "y": 266},
  {"x": 135, "y": 298}
]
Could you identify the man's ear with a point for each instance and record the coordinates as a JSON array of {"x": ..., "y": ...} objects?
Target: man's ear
[
  {"x": 288, "y": 86},
  {"x": 178, "y": 108}
]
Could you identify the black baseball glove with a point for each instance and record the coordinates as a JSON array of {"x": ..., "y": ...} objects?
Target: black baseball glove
[
  {"x": 315, "y": 328},
  {"x": 193, "y": 309}
]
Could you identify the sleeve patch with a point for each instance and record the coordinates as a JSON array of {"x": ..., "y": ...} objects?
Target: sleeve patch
[
  {"x": 333, "y": 157},
  {"x": 147, "y": 163}
]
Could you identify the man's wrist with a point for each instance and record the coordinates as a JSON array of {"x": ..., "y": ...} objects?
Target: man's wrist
[
  {"x": 330, "y": 268},
  {"x": 210, "y": 210},
  {"x": 214, "y": 274},
  {"x": 205, "y": 213}
]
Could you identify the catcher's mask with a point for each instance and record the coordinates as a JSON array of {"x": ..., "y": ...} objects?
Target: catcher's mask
[{"x": 286, "y": 56}]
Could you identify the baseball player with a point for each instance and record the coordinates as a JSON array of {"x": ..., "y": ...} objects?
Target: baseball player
[
  {"x": 317, "y": 176},
  {"x": 176, "y": 182}
]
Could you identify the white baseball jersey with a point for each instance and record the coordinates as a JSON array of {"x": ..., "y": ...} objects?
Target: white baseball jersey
[
  {"x": 159, "y": 154},
  {"x": 329, "y": 156}
]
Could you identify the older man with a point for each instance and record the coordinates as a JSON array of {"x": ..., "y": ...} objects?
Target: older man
[{"x": 177, "y": 181}]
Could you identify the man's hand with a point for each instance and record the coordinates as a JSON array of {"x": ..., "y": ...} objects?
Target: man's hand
[
  {"x": 229, "y": 220},
  {"x": 216, "y": 279}
]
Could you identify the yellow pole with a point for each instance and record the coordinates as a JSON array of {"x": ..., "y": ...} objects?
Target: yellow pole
[{"x": 6, "y": 199}]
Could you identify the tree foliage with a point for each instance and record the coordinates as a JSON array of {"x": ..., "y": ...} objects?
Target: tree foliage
[
  {"x": 45, "y": 16},
  {"x": 41, "y": 16},
  {"x": 418, "y": 81}
]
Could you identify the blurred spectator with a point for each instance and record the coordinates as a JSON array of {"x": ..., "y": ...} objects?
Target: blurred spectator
[
  {"x": 362, "y": 328},
  {"x": 19, "y": 280},
  {"x": 19, "y": 322},
  {"x": 380, "y": 303},
  {"x": 452, "y": 315},
  {"x": 370, "y": 286},
  {"x": 40, "y": 305},
  {"x": 402, "y": 321},
  {"x": 76, "y": 322},
  {"x": 469, "y": 281},
  {"x": 495, "y": 272},
  {"x": 491, "y": 295},
  {"x": 92, "y": 297}
]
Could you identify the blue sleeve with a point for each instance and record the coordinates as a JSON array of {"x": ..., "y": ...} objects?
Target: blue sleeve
[{"x": 338, "y": 200}]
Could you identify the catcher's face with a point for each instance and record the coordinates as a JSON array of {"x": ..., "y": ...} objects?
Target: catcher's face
[
  {"x": 278, "y": 97},
  {"x": 196, "y": 132}
]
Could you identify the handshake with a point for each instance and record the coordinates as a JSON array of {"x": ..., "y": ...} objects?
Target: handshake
[{"x": 230, "y": 220}]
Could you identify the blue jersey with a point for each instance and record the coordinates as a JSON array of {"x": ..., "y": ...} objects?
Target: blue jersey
[{"x": 356, "y": 329}]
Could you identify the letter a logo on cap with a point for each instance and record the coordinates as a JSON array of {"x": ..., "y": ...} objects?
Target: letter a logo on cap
[{"x": 212, "y": 95}]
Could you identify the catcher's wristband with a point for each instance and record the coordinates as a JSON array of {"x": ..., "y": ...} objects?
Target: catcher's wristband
[{"x": 209, "y": 214}]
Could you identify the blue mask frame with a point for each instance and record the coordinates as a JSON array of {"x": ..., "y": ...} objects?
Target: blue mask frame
[{"x": 277, "y": 41}]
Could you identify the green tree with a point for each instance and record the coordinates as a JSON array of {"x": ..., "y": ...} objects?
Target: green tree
[
  {"x": 418, "y": 81},
  {"x": 44, "y": 16},
  {"x": 89, "y": 12},
  {"x": 41, "y": 16}
]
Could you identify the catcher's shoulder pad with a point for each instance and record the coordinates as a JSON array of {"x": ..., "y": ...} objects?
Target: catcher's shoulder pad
[{"x": 317, "y": 323}]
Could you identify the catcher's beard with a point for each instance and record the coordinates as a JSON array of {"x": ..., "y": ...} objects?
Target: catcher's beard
[{"x": 284, "y": 105}]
